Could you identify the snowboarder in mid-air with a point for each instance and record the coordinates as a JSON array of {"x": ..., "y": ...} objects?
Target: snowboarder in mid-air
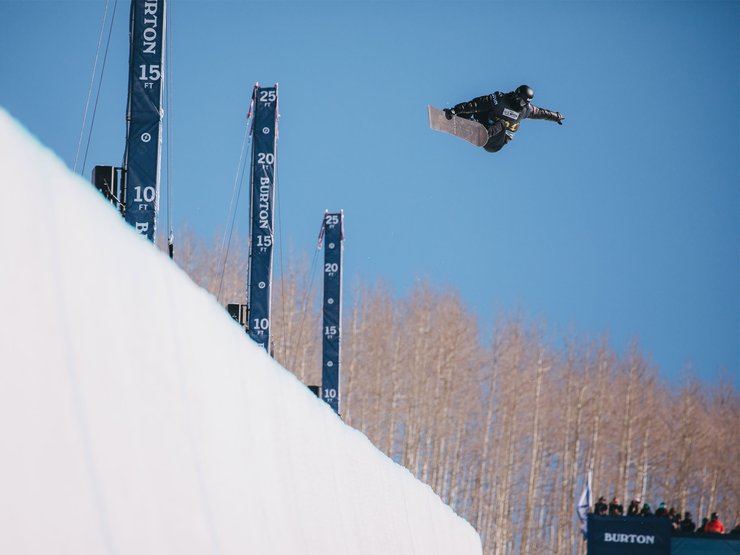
[{"x": 501, "y": 114}]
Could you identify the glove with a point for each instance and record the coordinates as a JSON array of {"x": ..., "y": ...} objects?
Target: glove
[
  {"x": 449, "y": 112},
  {"x": 560, "y": 117}
]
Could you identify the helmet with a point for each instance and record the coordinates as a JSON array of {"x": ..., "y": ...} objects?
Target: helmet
[{"x": 524, "y": 94}]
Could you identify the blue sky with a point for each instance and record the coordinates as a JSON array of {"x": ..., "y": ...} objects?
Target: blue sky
[{"x": 625, "y": 220}]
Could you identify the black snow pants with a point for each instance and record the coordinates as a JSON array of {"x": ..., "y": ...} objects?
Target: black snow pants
[{"x": 497, "y": 137}]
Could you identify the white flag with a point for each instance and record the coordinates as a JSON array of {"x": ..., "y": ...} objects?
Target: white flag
[{"x": 584, "y": 505}]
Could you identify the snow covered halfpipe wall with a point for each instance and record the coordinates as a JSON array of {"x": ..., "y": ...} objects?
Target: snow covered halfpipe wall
[{"x": 152, "y": 427}]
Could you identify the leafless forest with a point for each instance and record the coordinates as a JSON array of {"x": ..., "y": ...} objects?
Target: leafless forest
[{"x": 503, "y": 426}]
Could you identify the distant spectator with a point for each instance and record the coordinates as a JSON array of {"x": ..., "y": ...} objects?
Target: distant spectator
[
  {"x": 600, "y": 507},
  {"x": 714, "y": 526},
  {"x": 687, "y": 524},
  {"x": 662, "y": 511},
  {"x": 702, "y": 528},
  {"x": 675, "y": 518},
  {"x": 634, "y": 508},
  {"x": 645, "y": 511},
  {"x": 615, "y": 508}
]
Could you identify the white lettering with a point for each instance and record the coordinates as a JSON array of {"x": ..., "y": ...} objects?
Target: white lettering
[
  {"x": 510, "y": 113},
  {"x": 150, "y": 31},
  {"x": 142, "y": 227},
  {"x": 628, "y": 538},
  {"x": 264, "y": 206},
  {"x": 150, "y": 34}
]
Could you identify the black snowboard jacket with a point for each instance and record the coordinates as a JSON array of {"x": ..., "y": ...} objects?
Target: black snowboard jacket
[{"x": 501, "y": 113}]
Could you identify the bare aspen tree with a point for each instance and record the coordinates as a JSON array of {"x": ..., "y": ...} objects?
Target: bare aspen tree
[
  {"x": 535, "y": 452},
  {"x": 418, "y": 321},
  {"x": 484, "y": 485},
  {"x": 598, "y": 457},
  {"x": 627, "y": 421},
  {"x": 574, "y": 395},
  {"x": 296, "y": 322},
  {"x": 506, "y": 453},
  {"x": 351, "y": 360}
]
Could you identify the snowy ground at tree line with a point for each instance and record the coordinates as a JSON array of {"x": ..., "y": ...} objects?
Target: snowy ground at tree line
[{"x": 137, "y": 417}]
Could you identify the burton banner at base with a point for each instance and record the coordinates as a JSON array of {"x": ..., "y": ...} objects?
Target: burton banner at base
[
  {"x": 332, "y": 329},
  {"x": 261, "y": 236},
  {"x": 144, "y": 115},
  {"x": 633, "y": 535}
]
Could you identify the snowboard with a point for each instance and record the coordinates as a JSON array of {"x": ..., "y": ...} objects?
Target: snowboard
[{"x": 471, "y": 131}]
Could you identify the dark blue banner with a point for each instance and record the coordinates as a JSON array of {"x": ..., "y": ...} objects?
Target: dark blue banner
[
  {"x": 261, "y": 236},
  {"x": 144, "y": 129},
  {"x": 705, "y": 544},
  {"x": 333, "y": 237},
  {"x": 633, "y": 535}
]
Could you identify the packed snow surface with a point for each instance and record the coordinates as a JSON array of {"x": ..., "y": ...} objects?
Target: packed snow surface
[{"x": 137, "y": 417}]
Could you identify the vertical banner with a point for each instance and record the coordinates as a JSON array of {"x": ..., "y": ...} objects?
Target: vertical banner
[
  {"x": 144, "y": 117},
  {"x": 261, "y": 236},
  {"x": 333, "y": 236}
]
